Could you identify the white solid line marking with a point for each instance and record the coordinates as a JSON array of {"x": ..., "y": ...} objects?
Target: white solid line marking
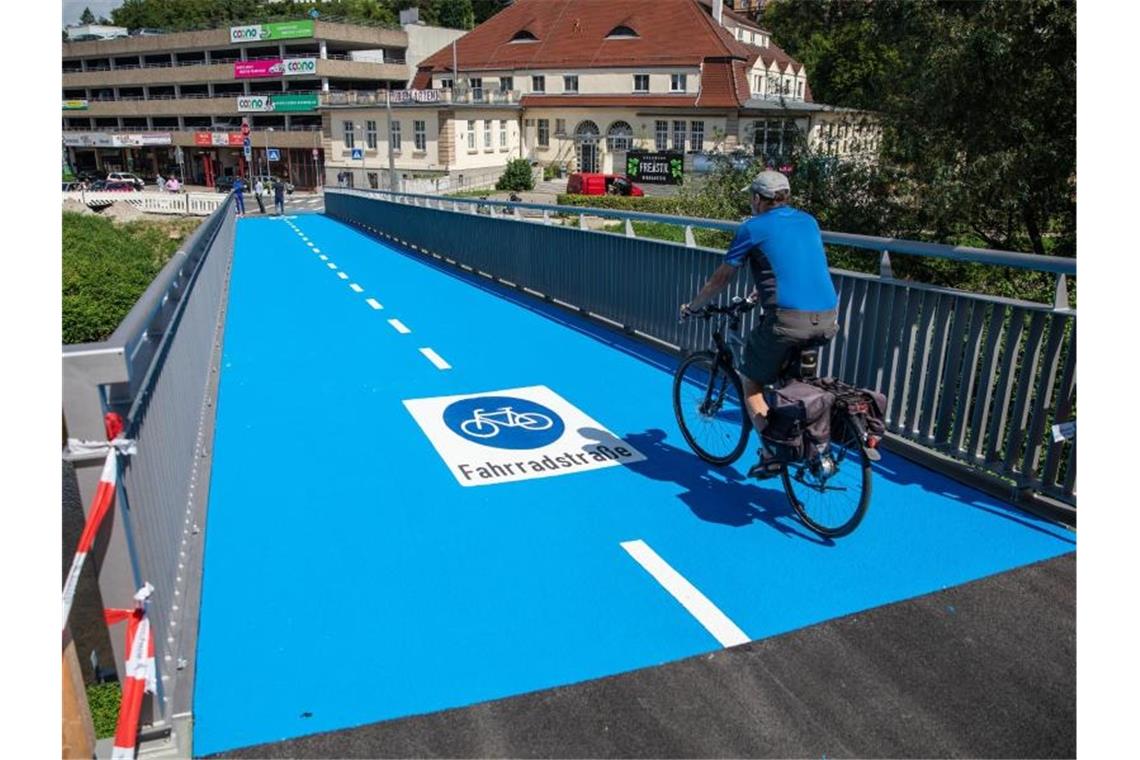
[
  {"x": 707, "y": 614},
  {"x": 400, "y": 328},
  {"x": 342, "y": 275},
  {"x": 356, "y": 287},
  {"x": 331, "y": 265},
  {"x": 374, "y": 303},
  {"x": 324, "y": 257},
  {"x": 435, "y": 358}
]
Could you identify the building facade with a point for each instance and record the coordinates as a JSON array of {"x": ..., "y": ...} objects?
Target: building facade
[
  {"x": 161, "y": 103},
  {"x": 587, "y": 82}
]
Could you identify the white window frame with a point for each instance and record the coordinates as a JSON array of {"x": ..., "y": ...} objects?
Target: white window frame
[
  {"x": 395, "y": 137},
  {"x": 538, "y": 83},
  {"x": 544, "y": 133},
  {"x": 349, "y": 134},
  {"x": 679, "y": 134},
  {"x": 419, "y": 134},
  {"x": 641, "y": 76},
  {"x": 471, "y": 135},
  {"x": 506, "y": 84},
  {"x": 566, "y": 80},
  {"x": 487, "y": 134},
  {"x": 370, "y": 134},
  {"x": 681, "y": 79},
  {"x": 502, "y": 134},
  {"x": 661, "y": 134},
  {"x": 697, "y": 136},
  {"x": 477, "y": 88}
]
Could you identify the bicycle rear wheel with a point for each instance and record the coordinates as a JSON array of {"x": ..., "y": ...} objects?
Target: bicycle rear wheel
[
  {"x": 708, "y": 401},
  {"x": 832, "y": 505}
]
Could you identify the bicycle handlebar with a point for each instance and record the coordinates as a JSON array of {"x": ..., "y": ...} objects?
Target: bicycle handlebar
[{"x": 737, "y": 307}]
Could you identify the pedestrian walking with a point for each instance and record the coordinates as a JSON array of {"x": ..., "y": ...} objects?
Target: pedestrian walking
[
  {"x": 161, "y": 183},
  {"x": 258, "y": 191},
  {"x": 239, "y": 198},
  {"x": 279, "y": 196}
]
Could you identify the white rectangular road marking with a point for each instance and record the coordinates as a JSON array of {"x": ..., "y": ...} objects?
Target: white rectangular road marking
[
  {"x": 342, "y": 275},
  {"x": 316, "y": 250},
  {"x": 435, "y": 358},
  {"x": 324, "y": 257},
  {"x": 356, "y": 287},
  {"x": 331, "y": 265},
  {"x": 707, "y": 614},
  {"x": 374, "y": 303},
  {"x": 400, "y": 328},
  {"x": 309, "y": 243}
]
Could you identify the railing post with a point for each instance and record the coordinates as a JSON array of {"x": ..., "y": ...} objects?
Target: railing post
[
  {"x": 885, "y": 270},
  {"x": 546, "y": 217},
  {"x": 690, "y": 239},
  {"x": 455, "y": 206},
  {"x": 1061, "y": 297},
  {"x": 629, "y": 229},
  {"x": 581, "y": 221}
]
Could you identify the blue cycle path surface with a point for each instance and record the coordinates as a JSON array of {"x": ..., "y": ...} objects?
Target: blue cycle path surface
[{"x": 349, "y": 578}]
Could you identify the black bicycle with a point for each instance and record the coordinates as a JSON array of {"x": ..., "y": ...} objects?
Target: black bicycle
[{"x": 829, "y": 488}]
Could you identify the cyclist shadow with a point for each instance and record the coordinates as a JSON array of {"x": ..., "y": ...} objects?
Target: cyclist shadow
[{"x": 713, "y": 494}]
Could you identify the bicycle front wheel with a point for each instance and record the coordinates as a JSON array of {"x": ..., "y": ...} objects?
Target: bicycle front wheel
[
  {"x": 832, "y": 499},
  {"x": 708, "y": 401}
]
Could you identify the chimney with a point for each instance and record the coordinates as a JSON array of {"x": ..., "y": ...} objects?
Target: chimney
[
  {"x": 409, "y": 16},
  {"x": 718, "y": 11}
]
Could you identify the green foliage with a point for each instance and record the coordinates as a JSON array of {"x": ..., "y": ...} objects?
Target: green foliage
[
  {"x": 87, "y": 17},
  {"x": 175, "y": 15},
  {"x": 977, "y": 100},
  {"x": 103, "y": 699},
  {"x": 674, "y": 233},
  {"x": 517, "y": 176},
  {"x": 647, "y": 205},
  {"x": 106, "y": 267}
]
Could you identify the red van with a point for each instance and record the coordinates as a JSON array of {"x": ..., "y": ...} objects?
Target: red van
[{"x": 594, "y": 183}]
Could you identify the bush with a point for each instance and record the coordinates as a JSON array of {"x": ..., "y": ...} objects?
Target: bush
[
  {"x": 106, "y": 267},
  {"x": 103, "y": 699},
  {"x": 549, "y": 172},
  {"x": 517, "y": 176},
  {"x": 626, "y": 203}
]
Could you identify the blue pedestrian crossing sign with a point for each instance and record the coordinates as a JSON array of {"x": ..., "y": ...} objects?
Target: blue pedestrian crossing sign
[
  {"x": 357, "y": 154},
  {"x": 274, "y": 154}
]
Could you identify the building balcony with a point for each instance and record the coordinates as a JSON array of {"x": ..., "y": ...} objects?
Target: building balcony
[
  {"x": 337, "y": 66},
  {"x": 420, "y": 98}
]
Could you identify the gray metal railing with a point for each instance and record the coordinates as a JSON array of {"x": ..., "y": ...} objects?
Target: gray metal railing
[
  {"x": 159, "y": 370},
  {"x": 974, "y": 379}
]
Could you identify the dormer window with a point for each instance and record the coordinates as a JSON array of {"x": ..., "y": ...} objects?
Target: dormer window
[
  {"x": 622, "y": 33},
  {"x": 522, "y": 35}
]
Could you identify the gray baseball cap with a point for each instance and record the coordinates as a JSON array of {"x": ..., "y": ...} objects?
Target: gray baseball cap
[{"x": 768, "y": 183}]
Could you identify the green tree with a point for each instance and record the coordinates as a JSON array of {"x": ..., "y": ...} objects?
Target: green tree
[
  {"x": 484, "y": 9},
  {"x": 517, "y": 176},
  {"x": 87, "y": 17}
]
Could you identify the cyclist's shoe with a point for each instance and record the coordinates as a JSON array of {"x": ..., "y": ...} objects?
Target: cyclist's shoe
[{"x": 769, "y": 466}]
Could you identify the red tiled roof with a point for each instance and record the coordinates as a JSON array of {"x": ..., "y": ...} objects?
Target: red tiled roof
[
  {"x": 718, "y": 88},
  {"x": 572, "y": 33}
]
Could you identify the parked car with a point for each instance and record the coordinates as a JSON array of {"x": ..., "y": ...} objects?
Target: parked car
[
  {"x": 595, "y": 183},
  {"x": 707, "y": 162},
  {"x": 71, "y": 187},
  {"x": 126, "y": 177},
  {"x": 268, "y": 181},
  {"x": 223, "y": 184},
  {"x": 121, "y": 187}
]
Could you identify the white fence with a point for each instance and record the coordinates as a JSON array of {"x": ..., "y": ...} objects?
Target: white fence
[{"x": 187, "y": 204}]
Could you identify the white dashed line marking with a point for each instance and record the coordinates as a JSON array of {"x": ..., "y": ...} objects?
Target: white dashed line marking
[
  {"x": 309, "y": 243},
  {"x": 400, "y": 328},
  {"x": 316, "y": 250},
  {"x": 324, "y": 258},
  {"x": 331, "y": 265},
  {"x": 707, "y": 614},
  {"x": 342, "y": 275},
  {"x": 435, "y": 358},
  {"x": 356, "y": 288},
  {"x": 374, "y": 303}
]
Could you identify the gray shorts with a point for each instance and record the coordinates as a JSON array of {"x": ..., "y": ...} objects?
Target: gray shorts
[{"x": 781, "y": 331}]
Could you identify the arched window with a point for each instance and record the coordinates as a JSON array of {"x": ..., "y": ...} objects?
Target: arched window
[
  {"x": 522, "y": 35},
  {"x": 586, "y": 132},
  {"x": 619, "y": 136},
  {"x": 621, "y": 32}
]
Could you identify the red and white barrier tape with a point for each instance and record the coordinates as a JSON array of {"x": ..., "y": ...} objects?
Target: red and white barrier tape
[
  {"x": 100, "y": 504},
  {"x": 139, "y": 673}
]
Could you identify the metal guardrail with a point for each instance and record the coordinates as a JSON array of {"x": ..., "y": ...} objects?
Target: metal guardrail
[
  {"x": 160, "y": 369},
  {"x": 970, "y": 378}
]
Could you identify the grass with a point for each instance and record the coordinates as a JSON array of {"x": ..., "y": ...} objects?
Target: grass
[
  {"x": 103, "y": 700},
  {"x": 471, "y": 193},
  {"x": 107, "y": 266},
  {"x": 674, "y": 233}
]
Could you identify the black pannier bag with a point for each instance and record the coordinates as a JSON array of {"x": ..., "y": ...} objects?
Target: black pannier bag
[
  {"x": 799, "y": 417},
  {"x": 866, "y": 405}
]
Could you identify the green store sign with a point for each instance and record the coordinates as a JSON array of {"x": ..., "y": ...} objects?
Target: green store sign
[
  {"x": 283, "y": 30},
  {"x": 306, "y": 102}
]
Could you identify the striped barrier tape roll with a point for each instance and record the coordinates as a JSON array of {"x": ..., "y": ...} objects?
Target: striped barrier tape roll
[
  {"x": 100, "y": 504},
  {"x": 140, "y": 675}
]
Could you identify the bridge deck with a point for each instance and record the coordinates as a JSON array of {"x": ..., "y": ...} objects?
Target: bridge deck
[{"x": 351, "y": 576}]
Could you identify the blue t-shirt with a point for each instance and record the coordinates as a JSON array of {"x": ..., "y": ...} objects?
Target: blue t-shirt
[
  {"x": 239, "y": 186},
  {"x": 788, "y": 263}
]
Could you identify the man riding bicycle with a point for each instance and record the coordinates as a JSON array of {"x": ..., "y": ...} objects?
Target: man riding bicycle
[{"x": 784, "y": 249}]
